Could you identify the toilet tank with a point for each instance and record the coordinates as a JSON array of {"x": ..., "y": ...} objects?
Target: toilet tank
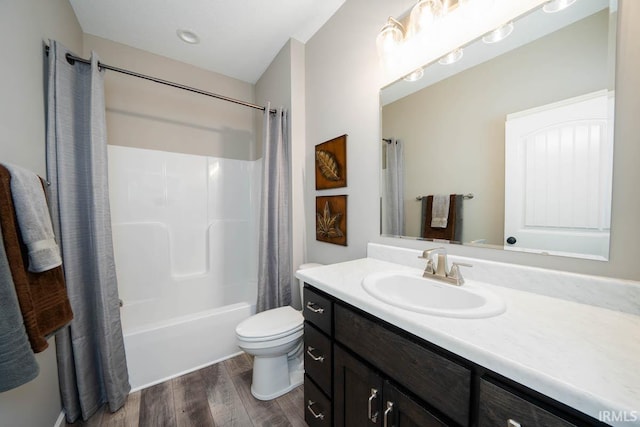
[{"x": 301, "y": 282}]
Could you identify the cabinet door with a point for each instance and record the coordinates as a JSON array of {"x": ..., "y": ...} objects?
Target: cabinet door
[
  {"x": 399, "y": 410},
  {"x": 499, "y": 407},
  {"x": 357, "y": 393}
]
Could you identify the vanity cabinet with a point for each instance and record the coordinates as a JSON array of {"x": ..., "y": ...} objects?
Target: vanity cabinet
[
  {"x": 318, "y": 358},
  {"x": 442, "y": 383},
  {"x": 499, "y": 407},
  {"x": 362, "y": 371},
  {"x": 363, "y": 397}
]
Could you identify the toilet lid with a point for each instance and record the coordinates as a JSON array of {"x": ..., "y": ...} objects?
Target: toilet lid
[{"x": 271, "y": 324}]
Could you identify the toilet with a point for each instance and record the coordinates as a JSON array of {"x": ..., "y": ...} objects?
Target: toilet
[{"x": 274, "y": 339}]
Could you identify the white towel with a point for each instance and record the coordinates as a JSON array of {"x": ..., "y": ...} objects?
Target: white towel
[
  {"x": 440, "y": 211},
  {"x": 34, "y": 219}
]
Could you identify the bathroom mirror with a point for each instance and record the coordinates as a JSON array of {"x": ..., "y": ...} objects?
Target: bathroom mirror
[{"x": 523, "y": 128}]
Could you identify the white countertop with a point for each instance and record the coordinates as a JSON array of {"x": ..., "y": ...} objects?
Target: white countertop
[{"x": 584, "y": 356}]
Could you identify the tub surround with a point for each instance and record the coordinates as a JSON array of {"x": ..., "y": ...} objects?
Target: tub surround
[{"x": 571, "y": 337}]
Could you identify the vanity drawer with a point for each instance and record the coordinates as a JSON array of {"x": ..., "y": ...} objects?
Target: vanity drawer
[
  {"x": 317, "y": 408},
  {"x": 318, "y": 310},
  {"x": 499, "y": 407},
  {"x": 440, "y": 382},
  {"x": 317, "y": 357}
]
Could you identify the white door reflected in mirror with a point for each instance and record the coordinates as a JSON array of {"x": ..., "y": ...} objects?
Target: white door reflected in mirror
[{"x": 558, "y": 170}]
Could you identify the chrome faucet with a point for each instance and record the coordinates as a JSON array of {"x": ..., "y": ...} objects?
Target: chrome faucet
[{"x": 440, "y": 271}]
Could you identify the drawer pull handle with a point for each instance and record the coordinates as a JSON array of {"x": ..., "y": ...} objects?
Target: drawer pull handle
[
  {"x": 311, "y": 355},
  {"x": 372, "y": 417},
  {"x": 386, "y": 413},
  {"x": 311, "y": 306},
  {"x": 310, "y": 409},
  {"x": 512, "y": 423}
]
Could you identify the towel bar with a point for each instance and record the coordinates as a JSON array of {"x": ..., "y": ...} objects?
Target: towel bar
[{"x": 465, "y": 196}]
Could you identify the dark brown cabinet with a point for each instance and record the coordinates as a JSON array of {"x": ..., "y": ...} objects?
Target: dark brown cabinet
[
  {"x": 444, "y": 384},
  {"x": 318, "y": 358},
  {"x": 499, "y": 407},
  {"x": 362, "y": 371},
  {"x": 365, "y": 398}
]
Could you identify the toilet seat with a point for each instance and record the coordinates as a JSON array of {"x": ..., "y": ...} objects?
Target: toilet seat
[{"x": 271, "y": 325}]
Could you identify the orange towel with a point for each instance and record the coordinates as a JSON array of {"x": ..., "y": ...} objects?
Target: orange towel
[{"x": 42, "y": 296}]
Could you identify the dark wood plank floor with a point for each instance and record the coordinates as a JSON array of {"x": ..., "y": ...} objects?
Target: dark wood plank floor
[{"x": 218, "y": 395}]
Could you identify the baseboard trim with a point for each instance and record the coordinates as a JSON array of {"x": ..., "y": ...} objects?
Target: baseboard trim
[{"x": 60, "y": 421}]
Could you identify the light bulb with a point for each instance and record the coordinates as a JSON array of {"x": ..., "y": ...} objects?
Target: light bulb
[
  {"x": 451, "y": 57},
  {"x": 415, "y": 76},
  {"x": 389, "y": 39},
  {"x": 423, "y": 16},
  {"x": 557, "y": 5},
  {"x": 498, "y": 34}
]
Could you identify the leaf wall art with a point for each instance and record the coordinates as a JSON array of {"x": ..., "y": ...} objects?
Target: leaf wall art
[
  {"x": 331, "y": 219},
  {"x": 331, "y": 163}
]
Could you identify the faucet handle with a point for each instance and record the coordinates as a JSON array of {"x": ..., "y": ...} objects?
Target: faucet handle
[
  {"x": 426, "y": 254},
  {"x": 455, "y": 273},
  {"x": 428, "y": 270}
]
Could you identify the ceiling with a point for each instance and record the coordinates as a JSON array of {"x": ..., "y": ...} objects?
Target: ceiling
[{"x": 238, "y": 38}]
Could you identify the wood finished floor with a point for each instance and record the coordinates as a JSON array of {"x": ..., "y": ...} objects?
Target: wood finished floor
[{"x": 218, "y": 395}]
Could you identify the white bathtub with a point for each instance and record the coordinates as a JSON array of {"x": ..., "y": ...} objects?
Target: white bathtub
[
  {"x": 186, "y": 250},
  {"x": 177, "y": 346}
]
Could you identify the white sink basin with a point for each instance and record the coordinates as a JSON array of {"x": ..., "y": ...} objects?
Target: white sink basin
[{"x": 411, "y": 291}]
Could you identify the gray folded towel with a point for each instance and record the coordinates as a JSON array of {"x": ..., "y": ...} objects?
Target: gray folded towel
[
  {"x": 17, "y": 362},
  {"x": 34, "y": 219},
  {"x": 440, "y": 211}
]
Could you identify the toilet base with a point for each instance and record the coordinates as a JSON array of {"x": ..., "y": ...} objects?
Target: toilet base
[{"x": 275, "y": 376}]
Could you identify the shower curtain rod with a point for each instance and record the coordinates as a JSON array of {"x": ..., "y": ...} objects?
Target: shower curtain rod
[{"x": 72, "y": 58}]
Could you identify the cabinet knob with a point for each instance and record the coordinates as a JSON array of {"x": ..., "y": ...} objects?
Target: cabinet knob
[
  {"x": 512, "y": 423},
  {"x": 310, "y": 409},
  {"x": 386, "y": 413},
  {"x": 312, "y": 306},
  {"x": 314, "y": 357},
  {"x": 373, "y": 395}
]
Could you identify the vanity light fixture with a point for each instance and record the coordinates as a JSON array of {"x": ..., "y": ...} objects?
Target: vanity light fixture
[
  {"x": 557, "y": 5},
  {"x": 500, "y": 33},
  {"x": 424, "y": 15},
  {"x": 451, "y": 57},
  {"x": 188, "y": 36},
  {"x": 389, "y": 39},
  {"x": 415, "y": 76}
]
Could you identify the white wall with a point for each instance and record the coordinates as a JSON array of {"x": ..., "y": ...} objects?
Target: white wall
[
  {"x": 342, "y": 82},
  {"x": 24, "y": 25},
  {"x": 145, "y": 114},
  {"x": 282, "y": 84}
]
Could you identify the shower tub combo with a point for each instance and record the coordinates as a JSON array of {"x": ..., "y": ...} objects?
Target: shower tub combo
[{"x": 186, "y": 250}]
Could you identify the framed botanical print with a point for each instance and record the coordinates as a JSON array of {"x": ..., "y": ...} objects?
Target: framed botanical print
[
  {"x": 331, "y": 163},
  {"x": 331, "y": 219}
]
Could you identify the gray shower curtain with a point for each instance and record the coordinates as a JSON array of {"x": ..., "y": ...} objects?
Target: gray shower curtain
[
  {"x": 274, "y": 262},
  {"x": 91, "y": 360},
  {"x": 394, "y": 188}
]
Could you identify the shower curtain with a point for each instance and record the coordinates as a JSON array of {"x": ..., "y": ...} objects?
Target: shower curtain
[
  {"x": 274, "y": 262},
  {"x": 91, "y": 361},
  {"x": 394, "y": 188}
]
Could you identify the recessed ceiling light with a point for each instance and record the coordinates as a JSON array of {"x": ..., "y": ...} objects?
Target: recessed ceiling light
[{"x": 188, "y": 36}]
